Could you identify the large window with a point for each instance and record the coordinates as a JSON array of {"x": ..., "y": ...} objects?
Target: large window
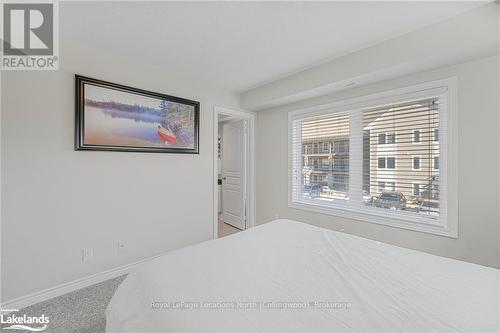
[{"x": 364, "y": 172}]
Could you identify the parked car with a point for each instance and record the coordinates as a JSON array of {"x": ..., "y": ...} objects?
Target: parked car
[
  {"x": 391, "y": 200},
  {"x": 429, "y": 207},
  {"x": 312, "y": 191}
]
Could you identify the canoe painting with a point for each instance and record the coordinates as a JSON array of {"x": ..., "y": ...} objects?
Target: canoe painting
[
  {"x": 166, "y": 135},
  {"x": 130, "y": 121}
]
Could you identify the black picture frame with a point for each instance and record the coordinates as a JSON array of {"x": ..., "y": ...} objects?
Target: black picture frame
[{"x": 80, "y": 143}]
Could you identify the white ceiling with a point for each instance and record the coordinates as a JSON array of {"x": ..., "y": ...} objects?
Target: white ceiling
[{"x": 241, "y": 45}]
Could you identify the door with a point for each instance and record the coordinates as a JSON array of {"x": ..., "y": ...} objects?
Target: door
[{"x": 233, "y": 173}]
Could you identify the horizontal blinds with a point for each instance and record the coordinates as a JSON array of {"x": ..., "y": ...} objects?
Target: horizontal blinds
[
  {"x": 296, "y": 152},
  {"x": 384, "y": 160},
  {"x": 401, "y": 157},
  {"x": 320, "y": 158}
]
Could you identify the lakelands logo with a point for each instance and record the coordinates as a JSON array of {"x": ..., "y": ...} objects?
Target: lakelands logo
[
  {"x": 24, "y": 322},
  {"x": 30, "y": 36}
]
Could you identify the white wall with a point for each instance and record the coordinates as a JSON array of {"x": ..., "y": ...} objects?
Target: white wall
[
  {"x": 56, "y": 200},
  {"x": 470, "y": 35},
  {"x": 478, "y": 107}
]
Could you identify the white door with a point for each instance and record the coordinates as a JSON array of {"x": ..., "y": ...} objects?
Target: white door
[{"x": 233, "y": 173}]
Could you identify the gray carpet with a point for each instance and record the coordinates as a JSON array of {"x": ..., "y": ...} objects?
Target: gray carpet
[{"x": 81, "y": 311}]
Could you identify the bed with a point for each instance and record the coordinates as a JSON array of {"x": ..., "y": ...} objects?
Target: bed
[{"x": 287, "y": 276}]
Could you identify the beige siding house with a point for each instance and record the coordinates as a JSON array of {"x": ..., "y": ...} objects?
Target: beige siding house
[{"x": 400, "y": 151}]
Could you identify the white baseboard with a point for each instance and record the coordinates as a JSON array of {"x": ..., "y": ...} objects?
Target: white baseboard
[{"x": 46, "y": 294}]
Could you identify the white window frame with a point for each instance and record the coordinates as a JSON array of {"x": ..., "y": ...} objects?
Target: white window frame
[
  {"x": 387, "y": 163},
  {"x": 353, "y": 208},
  {"x": 393, "y": 187},
  {"x": 413, "y": 163},
  {"x": 387, "y": 135},
  {"x": 385, "y": 138}
]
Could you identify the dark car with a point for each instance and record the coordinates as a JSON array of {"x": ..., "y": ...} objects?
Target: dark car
[
  {"x": 312, "y": 191},
  {"x": 391, "y": 200}
]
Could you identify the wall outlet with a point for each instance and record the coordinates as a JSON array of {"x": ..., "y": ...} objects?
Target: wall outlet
[
  {"x": 87, "y": 254},
  {"x": 121, "y": 246}
]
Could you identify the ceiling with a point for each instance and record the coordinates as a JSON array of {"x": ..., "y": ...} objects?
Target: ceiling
[{"x": 241, "y": 45}]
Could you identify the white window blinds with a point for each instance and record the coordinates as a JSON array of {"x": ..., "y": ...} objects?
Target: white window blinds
[
  {"x": 408, "y": 163},
  {"x": 320, "y": 157},
  {"x": 385, "y": 160}
]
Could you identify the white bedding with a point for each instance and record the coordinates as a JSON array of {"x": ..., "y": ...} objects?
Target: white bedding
[{"x": 370, "y": 287}]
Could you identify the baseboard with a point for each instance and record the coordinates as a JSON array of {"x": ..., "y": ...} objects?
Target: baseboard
[{"x": 46, "y": 294}]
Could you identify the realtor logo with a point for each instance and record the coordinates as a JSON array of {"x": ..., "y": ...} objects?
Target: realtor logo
[
  {"x": 29, "y": 36},
  {"x": 9, "y": 320}
]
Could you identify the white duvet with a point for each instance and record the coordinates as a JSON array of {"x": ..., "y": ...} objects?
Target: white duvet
[{"x": 287, "y": 276}]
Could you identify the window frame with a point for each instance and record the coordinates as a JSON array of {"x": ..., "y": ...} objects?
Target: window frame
[
  {"x": 353, "y": 208},
  {"x": 378, "y": 163},
  {"x": 387, "y": 163},
  {"x": 393, "y": 186},
  {"x": 387, "y": 135},
  {"x": 385, "y": 138}
]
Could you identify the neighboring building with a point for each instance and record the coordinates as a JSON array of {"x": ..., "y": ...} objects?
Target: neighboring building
[
  {"x": 400, "y": 152},
  {"x": 327, "y": 162},
  {"x": 325, "y": 153}
]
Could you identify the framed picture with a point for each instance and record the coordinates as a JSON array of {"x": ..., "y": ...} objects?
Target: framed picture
[{"x": 114, "y": 117}]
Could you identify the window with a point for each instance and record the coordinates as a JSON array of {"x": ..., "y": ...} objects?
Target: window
[
  {"x": 416, "y": 189},
  {"x": 415, "y": 136},
  {"x": 325, "y": 148},
  {"x": 368, "y": 174},
  {"x": 415, "y": 162},
  {"x": 381, "y": 139},
  {"x": 391, "y": 186},
  {"x": 381, "y": 162},
  {"x": 436, "y": 163},
  {"x": 391, "y": 138},
  {"x": 386, "y": 162},
  {"x": 386, "y": 138},
  {"x": 391, "y": 162}
]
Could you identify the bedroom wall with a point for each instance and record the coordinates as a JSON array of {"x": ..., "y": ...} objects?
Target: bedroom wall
[
  {"x": 479, "y": 162},
  {"x": 56, "y": 201},
  {"x": 470, "y": 35}
]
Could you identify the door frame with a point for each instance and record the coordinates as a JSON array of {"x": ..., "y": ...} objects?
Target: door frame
[{"x": 250, "y": 165}]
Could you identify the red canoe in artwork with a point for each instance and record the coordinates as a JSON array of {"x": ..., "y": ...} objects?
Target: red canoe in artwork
[{"x": 166, "y": 135}]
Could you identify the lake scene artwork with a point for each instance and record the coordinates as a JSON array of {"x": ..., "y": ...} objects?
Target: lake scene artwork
[{"x": 114, "y": 118}]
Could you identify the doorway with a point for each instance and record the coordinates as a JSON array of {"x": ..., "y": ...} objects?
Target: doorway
[{"x": 233, "y": 171}]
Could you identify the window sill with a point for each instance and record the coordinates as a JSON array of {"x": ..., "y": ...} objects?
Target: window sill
[{"x": 366, "y": 216}]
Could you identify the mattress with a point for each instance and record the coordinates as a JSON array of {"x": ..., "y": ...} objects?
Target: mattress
[{"x": 287, "y": 276}]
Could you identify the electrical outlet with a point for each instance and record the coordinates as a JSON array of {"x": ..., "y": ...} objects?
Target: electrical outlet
[
  {"x": 121, "y": 246},
  {"x": 87, "y": 254}
]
